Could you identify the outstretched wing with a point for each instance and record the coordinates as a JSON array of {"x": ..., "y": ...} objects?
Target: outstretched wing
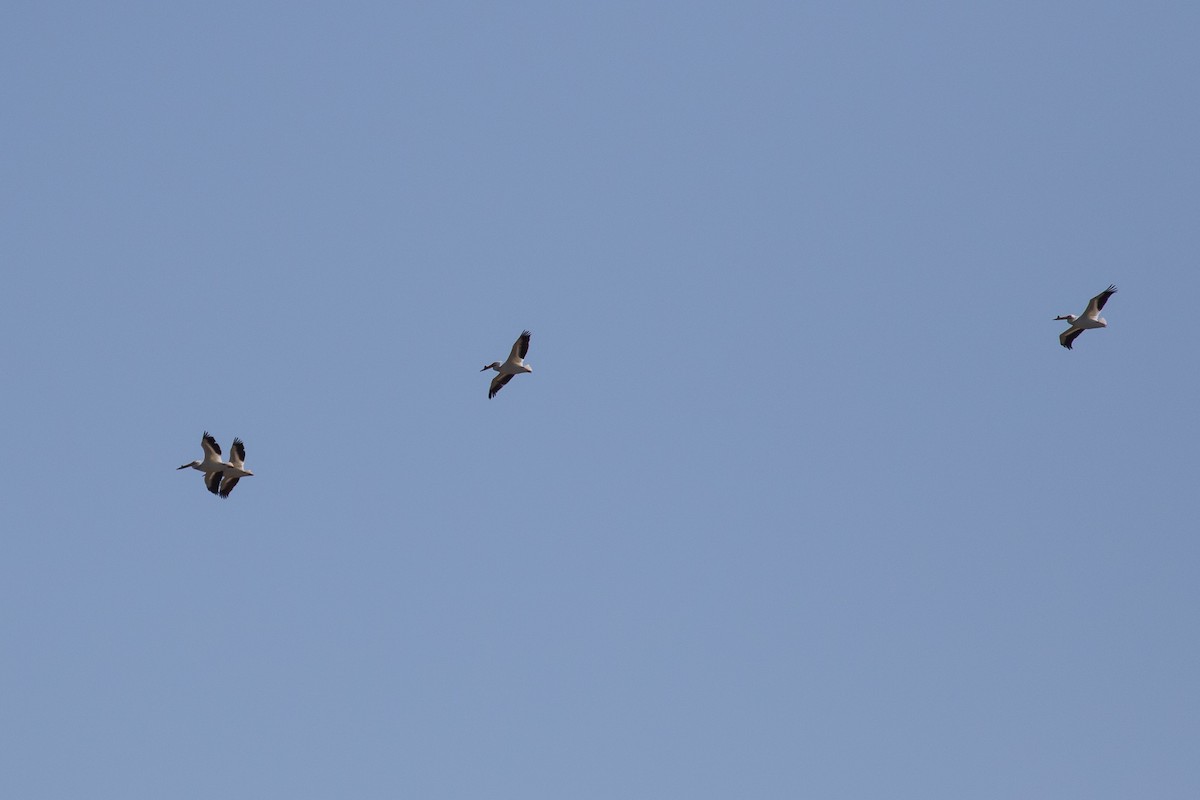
[
  {"x": 228, "y": 487},
  {"x": 1069, "y": 335},
  {"x": 498, "y": 383},
  {"x": 1096, "y": 304},
  {"x": 237, "y": 453},
  {"x": 520, "y": 348},
  {"x": 213, "y": 481},
  {"x": 212, "y": 450}
]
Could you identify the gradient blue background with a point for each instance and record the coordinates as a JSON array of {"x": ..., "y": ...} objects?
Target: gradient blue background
[{"x": 803, "y": 498}]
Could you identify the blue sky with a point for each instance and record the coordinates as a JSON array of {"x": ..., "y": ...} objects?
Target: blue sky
[{"x": 802, "y": 499}]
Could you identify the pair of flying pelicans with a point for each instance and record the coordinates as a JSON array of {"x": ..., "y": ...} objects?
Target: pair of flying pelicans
[{"x": 221, "y": 476}]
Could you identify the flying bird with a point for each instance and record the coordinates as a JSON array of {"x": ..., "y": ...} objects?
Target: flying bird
[
  {"x": 515, "y": 365},
  {"x": 1089, "y": 319},
  {"x": 235, "y": 468},
  {"x": 212, "y": 466}
]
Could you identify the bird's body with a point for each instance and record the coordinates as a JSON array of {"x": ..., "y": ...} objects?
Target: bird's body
[
  {"x": 211, "y": 465},
  {"x": 515, "y": 365},
  {"x": 1090, "y": 318}
]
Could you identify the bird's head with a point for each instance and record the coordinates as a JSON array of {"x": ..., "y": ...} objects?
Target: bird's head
[
  {"x": 493, "y": 365},
  {"x": 185, "y": 466},
  {"x": 1068, "y": 318},
  {"x": 249, "y": 474}
]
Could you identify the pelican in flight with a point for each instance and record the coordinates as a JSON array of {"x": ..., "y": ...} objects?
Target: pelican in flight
[
  {"x": 212, "y": 466},
  {"x": 235, "y": 468},
  {"x": 515, "y": 365},
  {"x": 1089, "y": 319}
]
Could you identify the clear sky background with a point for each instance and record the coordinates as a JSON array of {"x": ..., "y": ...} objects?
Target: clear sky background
[{"x": 802, "y": 499}]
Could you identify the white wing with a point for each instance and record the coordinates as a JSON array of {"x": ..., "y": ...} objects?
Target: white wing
[
  {"x": 1096, "y": 304},
  {"x": 228, "y": 487},
  {"x": 212, "y": 450},
  {"x": 237, "y": 453},
  {"x": 520, "y": 348},
  {"x": 1067, "y": 337},
  {"x": 498, "y": 383}
]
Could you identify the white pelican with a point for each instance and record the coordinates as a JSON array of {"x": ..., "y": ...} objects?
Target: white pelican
[
  {"x": 1089, "y": 319},
  {"x": 211, "y": 466},
  {"x": 234, "y": 470},
  {"x": 515, "y": 365}
]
